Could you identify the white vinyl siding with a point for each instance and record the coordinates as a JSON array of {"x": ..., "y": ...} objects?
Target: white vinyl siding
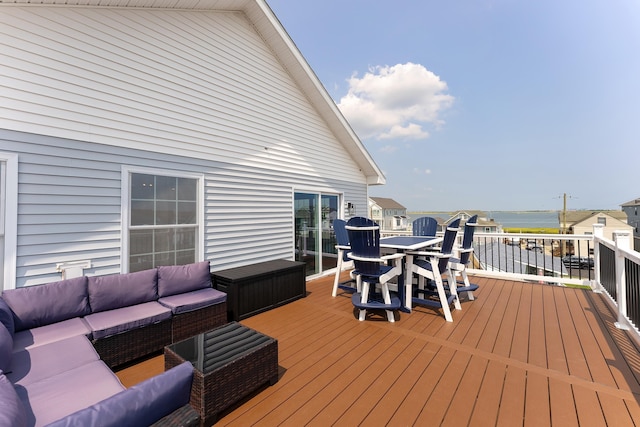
[
  {"x": 196, "y": 83},
  {"x": 70, "y": 206},
  {"x": 87, "y": 91}
]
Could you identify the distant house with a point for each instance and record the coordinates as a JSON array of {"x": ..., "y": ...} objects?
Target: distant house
[
  {"x": 484, "y": 225},
  {"x": 632, "y": 209},
  {"x": 148, "y": 132},
  {"x": 390, "y": 214},
  {"x": 581, "y": 222}
]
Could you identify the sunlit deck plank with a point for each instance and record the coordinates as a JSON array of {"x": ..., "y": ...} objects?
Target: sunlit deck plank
[
  {"x": 512, "y": 402},
  {"x": 520, "y": 354},
  {"x": 562, "y": 404},
  {"x": 486, "y": 406}
]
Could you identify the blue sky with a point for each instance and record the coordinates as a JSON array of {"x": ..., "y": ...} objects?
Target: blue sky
[{"x": 484, "y": 104}]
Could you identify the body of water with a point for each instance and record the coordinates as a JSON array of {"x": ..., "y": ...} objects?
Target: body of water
[
  {"x": 535, "y": 219},
  {"x": 509, "y": 219}
]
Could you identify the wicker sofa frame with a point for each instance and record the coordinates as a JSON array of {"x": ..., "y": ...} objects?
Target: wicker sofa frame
[{"x": 126, "y": 347}]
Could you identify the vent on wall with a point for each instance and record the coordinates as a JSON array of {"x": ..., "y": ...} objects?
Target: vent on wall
[{"x": 72, "y": 269}]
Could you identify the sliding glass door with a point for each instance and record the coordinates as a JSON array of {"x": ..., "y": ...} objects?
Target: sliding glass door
[{"x": 314, "y": 236}]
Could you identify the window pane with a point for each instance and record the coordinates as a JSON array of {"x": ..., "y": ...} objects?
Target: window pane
[
  {"x": 142, "y": 186},
  {"x": 165, "y": 258},
  {"x": 166, "y": 188},
  {"x": 165, "y": 213},
  {"x": 142, "y": 213},
  {"x": 141, "y": 242},
  {"x": 139, "y": 262},
  {"x": 185, "y": 257},
  {"x": 185, "y": 238},
  {"x": 187, "y": 212},
  {"x": 187, "y": 189},
  {"x": 161, "y": 203},
  {"x": 163, "y": 240}
]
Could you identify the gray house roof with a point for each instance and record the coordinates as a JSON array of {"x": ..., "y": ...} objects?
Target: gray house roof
[
  {"x": 631, "y": 203},
  {"x": 386, "y": 203}
]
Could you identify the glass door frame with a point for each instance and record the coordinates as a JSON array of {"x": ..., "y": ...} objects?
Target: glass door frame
[{"x": 313, "y": 232}]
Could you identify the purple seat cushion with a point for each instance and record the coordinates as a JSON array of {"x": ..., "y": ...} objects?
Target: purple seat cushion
[
  {"x": 12, "y": 412},
  {"x": 177, "y": 279},
  {"x": 56, "y": 397},
  {"x": 183, "y": 303},
  {"x": 140, "y": 405},
  {"x": 50, "y": 333},
  {"x": 122, "y": 290},
  {"x": 35, "y": 306},
  {"x": 29, "y": 366},
  {"x": 6, "y": 317},
  {"x": 6, "y": 348},
  {"x": 112, "y": 322}
]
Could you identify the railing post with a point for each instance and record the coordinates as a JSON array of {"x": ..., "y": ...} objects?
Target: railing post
[
  {"x": 598, "y": 233},
  {"x": 623, "y": 241}
]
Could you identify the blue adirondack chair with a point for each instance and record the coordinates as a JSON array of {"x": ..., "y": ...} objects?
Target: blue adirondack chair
[
  {"x": 424, "y": 226},
  {"x": 459, "y": 265},
  {"x": 433, "y": 266},
  {"x": 343, "y": 247},
  {"x": 371, "y": 269}
]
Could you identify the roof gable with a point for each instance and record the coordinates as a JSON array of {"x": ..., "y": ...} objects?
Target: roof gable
[{"x": 269, "y": 29}]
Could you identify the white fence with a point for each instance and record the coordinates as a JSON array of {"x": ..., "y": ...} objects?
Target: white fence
[{"x": 608, "y": 266}]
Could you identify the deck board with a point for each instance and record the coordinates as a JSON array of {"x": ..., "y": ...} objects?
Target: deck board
[{"x": 522, "y": 354}]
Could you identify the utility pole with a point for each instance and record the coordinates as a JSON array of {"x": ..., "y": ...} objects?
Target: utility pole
[{"x": 563, "y": 229}]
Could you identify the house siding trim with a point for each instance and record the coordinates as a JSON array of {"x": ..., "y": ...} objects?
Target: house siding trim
[{"x": 9, "y": 218}]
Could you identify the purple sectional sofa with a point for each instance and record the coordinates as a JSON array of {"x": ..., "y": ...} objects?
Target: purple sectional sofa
[{"x": 59, "y": 342}]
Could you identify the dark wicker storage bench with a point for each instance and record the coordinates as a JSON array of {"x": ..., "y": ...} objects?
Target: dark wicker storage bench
[
  {"x": 255, "y": 288},
  {"x": 230, "y": 362}
]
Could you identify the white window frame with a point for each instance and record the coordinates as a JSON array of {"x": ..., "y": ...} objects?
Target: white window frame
[
  {"x": 9, "y": 216},
  {"x": 125, "y": 208}
]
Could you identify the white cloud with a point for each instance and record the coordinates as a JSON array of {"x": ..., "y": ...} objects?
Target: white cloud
[
  {"x": 419, "y": 171},
  {"x": 389, "y": 149},
  {"x": 395, "y": 102}
]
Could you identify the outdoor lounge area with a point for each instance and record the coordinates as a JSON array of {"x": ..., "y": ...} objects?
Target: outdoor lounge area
[{"x": 519, "y": 354}]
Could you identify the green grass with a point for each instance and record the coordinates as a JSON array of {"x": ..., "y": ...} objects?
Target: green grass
[
  {"x": 540, "y": 230},
  {"x": 567, "y": 285}
]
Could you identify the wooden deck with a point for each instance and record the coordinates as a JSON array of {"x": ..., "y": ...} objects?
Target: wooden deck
[{"x": 520, "y": 354}]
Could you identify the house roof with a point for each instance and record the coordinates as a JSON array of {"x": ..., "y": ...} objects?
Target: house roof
[
  {"x": 634, "y": 202},
  {"x": 574, "y": 217},
  {"x": 386, "y": 203},
  {"x": 275, "y": 36}
]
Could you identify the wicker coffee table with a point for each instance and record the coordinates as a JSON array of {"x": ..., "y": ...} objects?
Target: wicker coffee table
[{"x": 230, "y": 362}]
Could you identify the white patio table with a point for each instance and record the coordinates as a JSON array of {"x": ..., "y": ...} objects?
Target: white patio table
[{"x": 406, "y": 244}]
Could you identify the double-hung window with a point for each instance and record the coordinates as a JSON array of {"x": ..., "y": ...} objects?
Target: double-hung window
[{"x": 163, "y": 220}]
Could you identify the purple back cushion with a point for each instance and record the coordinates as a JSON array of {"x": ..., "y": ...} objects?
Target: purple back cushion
[
  {"x": 177, "y": 279},
  {"x": 122, "y": 290},
  {"x": 6, "y": 348},
  {"x": 41, "y": 305},
  {"x": 6, "y": 317},
  {"x": 12, "y": 411}
]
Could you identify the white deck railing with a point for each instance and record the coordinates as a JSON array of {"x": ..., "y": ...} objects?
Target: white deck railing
[{"x": 607, "y": 266}]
